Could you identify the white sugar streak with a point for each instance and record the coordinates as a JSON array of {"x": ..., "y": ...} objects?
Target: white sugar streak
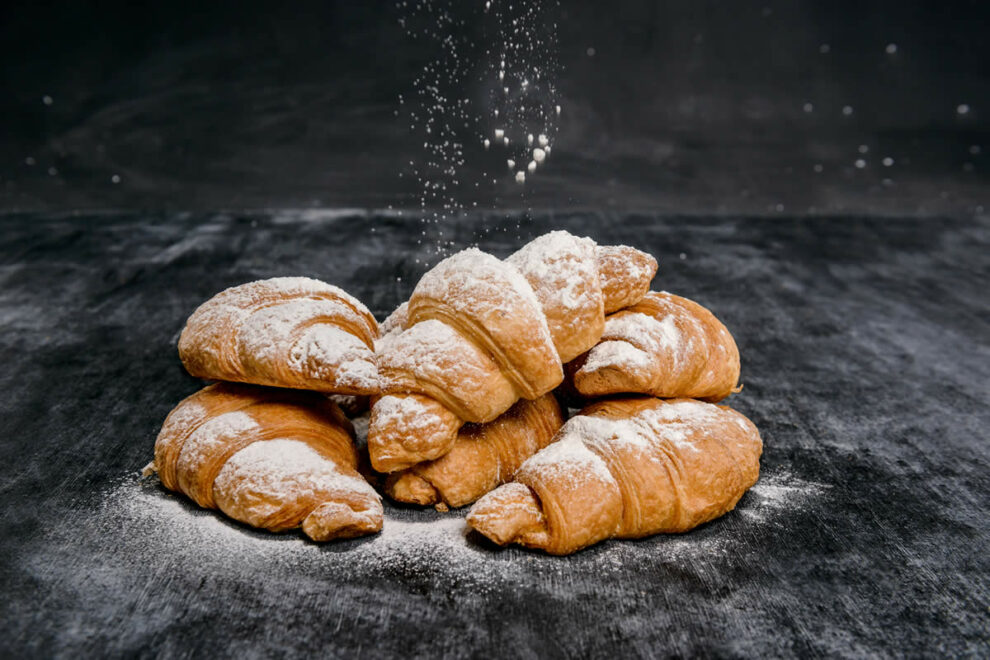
[{"x": 270, "y": 473}]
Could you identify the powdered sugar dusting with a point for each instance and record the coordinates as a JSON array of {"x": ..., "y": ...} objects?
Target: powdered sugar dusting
[
  {"x": 628, "y": 270},
  {"x": 570, "y": 456},
  {"x": 325, "y": 352},
  {"x": 183, "y": 417},
  {"x": 618, "y": 354},
  {"x": 396, "y": 321},
  {"x": 429, "y": 348},
  {"x": 646, "y": 332},
  {"x": 678, "y": 424},
  {"x": 689, "y": 412},
  {"x": 210, "y": 438},
  {"x": 561, "y": 267},
  {"x": 238, "y": 302},
  {"x": 260, "y": 323},
  {"x": 475, "y": 281},
  {"x": 267, "y": 474},
  {"x": 405, "y": 412}
]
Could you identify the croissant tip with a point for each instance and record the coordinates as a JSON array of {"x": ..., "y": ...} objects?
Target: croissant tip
[
  {"x": 336, "y": 520},
  {"x": 412, "y": 489},
  {"x": 507, "y": 514}
]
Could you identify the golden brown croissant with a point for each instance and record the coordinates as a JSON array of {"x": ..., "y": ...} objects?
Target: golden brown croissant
[
  {"x": 285, "y": 332},
  {"x": 484, "y": 456},
  {"x": 665, "y": 346},
  {"x": 481, "y": 333},
  {"x": 625, "y": 468},
  {"x": 275, "y": 459}
]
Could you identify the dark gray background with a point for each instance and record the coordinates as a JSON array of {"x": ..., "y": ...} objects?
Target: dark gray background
[
  {"x": 685, "y": 106},
  {"x": 858, "y": 297}
]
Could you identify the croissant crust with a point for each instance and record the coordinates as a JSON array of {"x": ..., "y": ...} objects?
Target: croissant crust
[
  {"x": 625, "y": 468},
  {"x": 274, "y": 459},
  {"x": 290, "y": 332}
]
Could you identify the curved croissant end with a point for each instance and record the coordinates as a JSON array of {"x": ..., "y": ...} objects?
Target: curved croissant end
[
  {"x": 274, "y": 459},
  {"x": 665, "y": 346},
  {"x": 405, "y": 429},
  {"x": 291, "y": 332},
  {"x": 484, "y": 456},
  {"x": 625, "y": 273},
  {"x": 625, "y": 468}
]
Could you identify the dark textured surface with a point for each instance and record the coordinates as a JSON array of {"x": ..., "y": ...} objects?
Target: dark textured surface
[
  {"x": 866, "y": 357},
  {"x": 685, "y": 106}
]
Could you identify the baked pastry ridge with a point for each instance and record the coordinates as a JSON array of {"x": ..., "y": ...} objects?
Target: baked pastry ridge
[
  {"x": 274, "y": 459},
  {"x": 625, "y": 468}
]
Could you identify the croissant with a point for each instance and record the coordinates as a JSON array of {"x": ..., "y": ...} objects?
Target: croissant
[
  {"x": 481, "y": 333},
  {"x": 291, "y": 332},
  {"x": 625, "y": 468},
  {"x": 274, "y": 459},
  {"x": 663, "y": 345},
  {"x": 484, "y": 456}
]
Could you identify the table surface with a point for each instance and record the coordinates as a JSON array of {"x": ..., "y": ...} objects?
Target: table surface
[{"x": 866, "y": 357}]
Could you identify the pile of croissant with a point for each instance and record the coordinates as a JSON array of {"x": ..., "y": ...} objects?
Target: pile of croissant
[{"x": 468, "y": 385}]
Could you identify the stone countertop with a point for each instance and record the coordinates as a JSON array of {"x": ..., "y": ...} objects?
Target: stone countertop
[{"x": 866, "y": 358}]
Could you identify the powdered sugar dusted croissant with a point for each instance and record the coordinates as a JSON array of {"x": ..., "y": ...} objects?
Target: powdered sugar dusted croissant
[
  {"x": 665, "y": 346},
  {"x": 484, "y": 456},
  {"x": 625, "y": 468},
  {"x": 481, "y": 333},
  {"x": 286, "y": 332},
  {"x": 275, "y": 459}
]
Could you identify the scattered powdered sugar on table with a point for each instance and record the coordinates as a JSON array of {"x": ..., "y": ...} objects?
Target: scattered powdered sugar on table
[
  {"x": 141, "y": 528},
  {"x": 776, "y": 494}
]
